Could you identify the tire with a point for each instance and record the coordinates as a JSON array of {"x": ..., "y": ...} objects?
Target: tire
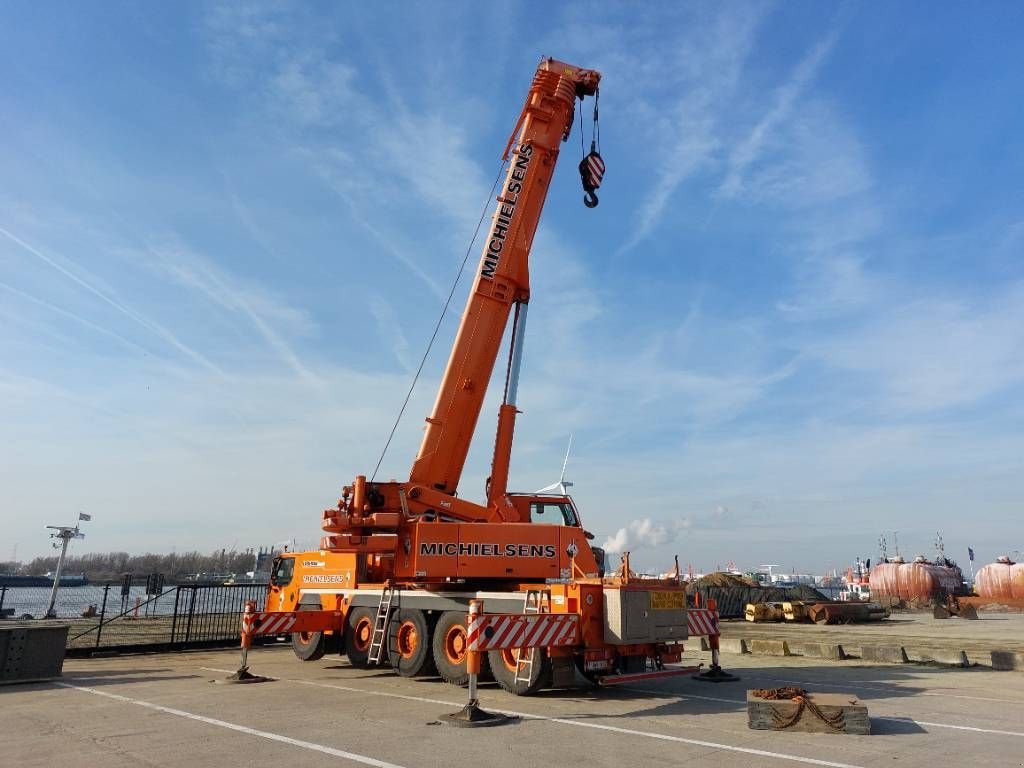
[
  {"x": 310, "y": 646},
  {"x": 358, "y": 636},
  {"x": 409, "y": 646},
  {"x": 503, "y": 666},
  {"x": 449, "y": 649}
]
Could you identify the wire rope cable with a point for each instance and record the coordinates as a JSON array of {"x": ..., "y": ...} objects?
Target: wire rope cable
[{"x": 440, "y": 319}]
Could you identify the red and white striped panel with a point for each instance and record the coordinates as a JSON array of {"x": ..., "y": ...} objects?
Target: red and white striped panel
[
  {"x": 701, "y": 621},
  {"x": 492, "y": 631},
  {"x": 596, "y": 167},
  {"x": 268, "y": 623}
]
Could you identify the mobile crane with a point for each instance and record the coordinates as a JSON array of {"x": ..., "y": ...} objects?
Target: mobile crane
[{"x": 400, "y": 560}]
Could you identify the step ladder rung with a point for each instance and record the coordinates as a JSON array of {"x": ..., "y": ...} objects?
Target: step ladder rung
[
  {"x": 536, "y": 601},
  {"x": 380, "y": 624}
]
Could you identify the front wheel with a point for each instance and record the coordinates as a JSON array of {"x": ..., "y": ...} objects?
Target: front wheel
[
  {"x": 358, "y": 636},
  {"x": 310, "y": 646},
  {"x": 505, "y": 663}
]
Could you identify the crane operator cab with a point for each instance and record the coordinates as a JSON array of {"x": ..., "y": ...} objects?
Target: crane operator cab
[{"x": 555, "y": 510}]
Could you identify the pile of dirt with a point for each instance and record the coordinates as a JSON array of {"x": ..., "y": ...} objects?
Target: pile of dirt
[
  {"x": 722, "y": 579},
  {"x": 806, "y": 593}
]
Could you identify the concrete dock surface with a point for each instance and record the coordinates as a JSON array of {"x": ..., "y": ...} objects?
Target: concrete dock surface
[
  {"x": 164, "y": 710},
  {"x": 991, "y": 631}
]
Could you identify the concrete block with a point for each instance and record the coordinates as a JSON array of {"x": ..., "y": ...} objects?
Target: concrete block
[
  {"x": 887, "y": 654},
  {"x": 954, "y": 658},
  {"x": 733, "y": 645},
  {"x": 769, "y": 647},
  {"x": 32, "y": 653},
  {"x": 832, "y": 651},
  {"x": 1007, "y": 661}
]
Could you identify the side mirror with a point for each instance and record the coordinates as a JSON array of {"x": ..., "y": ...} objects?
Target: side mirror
[{"x": 589, "y": 535}]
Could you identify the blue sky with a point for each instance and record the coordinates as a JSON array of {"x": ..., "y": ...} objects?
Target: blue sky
[{"x": 795, "y": 322}]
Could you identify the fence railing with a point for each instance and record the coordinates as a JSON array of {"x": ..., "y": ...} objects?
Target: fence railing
[{"x": 179, "y": 617}]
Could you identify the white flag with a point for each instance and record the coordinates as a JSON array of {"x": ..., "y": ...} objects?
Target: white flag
[{"x": 83, "y": 516}]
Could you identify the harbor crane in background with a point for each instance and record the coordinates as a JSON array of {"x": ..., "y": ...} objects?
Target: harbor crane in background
[{"x": 401, "y": 560}]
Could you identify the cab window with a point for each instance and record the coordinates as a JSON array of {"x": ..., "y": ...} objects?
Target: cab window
[
  {"x": 284, "y": 567},
  {"x": 560, "y": 513}
]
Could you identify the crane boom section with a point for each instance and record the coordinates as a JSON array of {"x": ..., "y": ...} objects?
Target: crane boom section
[{"x": 503, "y": 275}]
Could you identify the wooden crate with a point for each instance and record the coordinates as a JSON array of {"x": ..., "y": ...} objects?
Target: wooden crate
[{"x": 766, "y": 714}]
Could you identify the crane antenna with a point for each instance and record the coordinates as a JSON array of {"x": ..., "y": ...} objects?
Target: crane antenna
[{"x": 440, "y": 319}]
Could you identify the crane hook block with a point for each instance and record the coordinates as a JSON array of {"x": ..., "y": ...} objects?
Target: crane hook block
[{"x": 591, "y": 174}]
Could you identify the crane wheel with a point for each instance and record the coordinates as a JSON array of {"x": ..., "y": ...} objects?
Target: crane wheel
[
  {"x": 358, "y": 636},
  {"x": 505, "y": 662},
  {"x": 449, "y": 647},
  {"x": 310, "y": 646},
  {"x": 409, "y": 643}
]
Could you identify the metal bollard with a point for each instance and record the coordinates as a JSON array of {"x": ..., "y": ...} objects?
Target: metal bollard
[
  {"x": 471, "y": 716},
  {"x": 715, "y": 673},
  {"x": 243, "y": 675},
  {"x": 476, "y": 607}
]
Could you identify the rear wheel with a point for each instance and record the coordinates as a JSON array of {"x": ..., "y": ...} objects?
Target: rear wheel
[
  {"x": 450, "y": 649},
  {"x": 504, "y": 664},
  {"x": 310, "y": 646},
  {"x": 409, "y": 643},
  {"x": 358, "y": 636}
]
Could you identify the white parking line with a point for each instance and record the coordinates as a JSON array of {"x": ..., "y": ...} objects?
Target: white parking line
[
  {"x": 948, "y": 725},
  {"x": 239, "y": 728},
  {"x": 741, "y": 702},
  {"x": 575, "y": 723},
  {"x": 869, "y": 687}
]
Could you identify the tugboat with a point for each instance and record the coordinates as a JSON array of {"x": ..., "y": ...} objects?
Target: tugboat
[{"x": 856, "y": 583}]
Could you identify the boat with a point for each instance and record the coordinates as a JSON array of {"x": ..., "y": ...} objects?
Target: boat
[
  {"x": 17, "y": 580},
  {"x": 856, "y": 584}
]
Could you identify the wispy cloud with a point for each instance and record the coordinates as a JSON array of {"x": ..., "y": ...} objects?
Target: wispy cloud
[
  {"x": 748, "y": 150},
  {"x": 334, "y": 168},
  {"x": 390, "y": 331},
  {"x": 237, "y": 295},
  {"x": 688, "y": 133},
  {"x": 936, "y": 353},
  {"x": 137, "y": 317},
  {"x": 76, "y": 318}
]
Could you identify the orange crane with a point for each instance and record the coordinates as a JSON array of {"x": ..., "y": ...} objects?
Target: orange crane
[{"x": 400, "y": 560}]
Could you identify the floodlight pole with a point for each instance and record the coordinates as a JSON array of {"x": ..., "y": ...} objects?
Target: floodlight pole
[{"x": 65, "y": 535}]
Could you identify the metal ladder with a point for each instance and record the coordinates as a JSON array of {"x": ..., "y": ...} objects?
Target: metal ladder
[
  {"x": 380, "y": 624},
  {"x": 537, "y": 601}
]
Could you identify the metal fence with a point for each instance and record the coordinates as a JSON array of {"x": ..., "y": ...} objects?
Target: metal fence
[{"x": 114, "y": 618}]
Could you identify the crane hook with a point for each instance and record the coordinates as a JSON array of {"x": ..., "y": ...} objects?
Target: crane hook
[{"x": 591, "y": 174}]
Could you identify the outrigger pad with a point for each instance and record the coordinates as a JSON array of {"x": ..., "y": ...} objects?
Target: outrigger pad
[
  {"x": 471, "y": 716},
  {"x": 243, "y": 675},
  {"x": 716, "y": 675}
]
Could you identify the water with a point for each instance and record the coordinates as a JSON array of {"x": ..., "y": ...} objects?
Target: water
[{"x": 72, "y": 601}]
